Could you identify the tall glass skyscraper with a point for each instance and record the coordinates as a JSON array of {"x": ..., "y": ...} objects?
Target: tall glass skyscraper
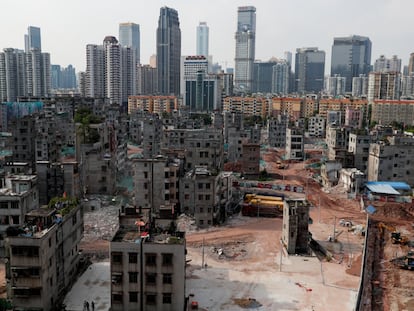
[
  {"x": 168, "y": 52},
  {"x": 32, "y": 39},
  {"x": 351, "y": 57},
  {"x": 129, "y": 35},
  {"x": 245, "y": 48},
  {"x": 309, "y": 70},
  {"x": 202, "y": 39}
]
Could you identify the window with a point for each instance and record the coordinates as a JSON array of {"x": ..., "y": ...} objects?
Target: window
[
  {"x": 117, "y": 257},
  {"x": 208, "y": 186},
  {"x": 167, "y": 278},
  {"x": 201, "y": 209},
  {"x": 133, "y": 296},
  {"x": 117, "y": 297},
  {"x": 4, "y": 205},
  {"x": 133, "y": 277},
  {"x": 200, "y": 197},
  {"x": 167, "y": 259},
  {"x": 145, "y": 175},
  {"x": 166, "y": 298},
  {"x": 151, "y": 259},
  {"x": 151, "y": 278},
  {"x": 74, "y": 219},
  {"x": 151, "y": 299},
  {"x": 201, "y": 222},
  {"x": 200, "y": 185},
  {"x": 207, "y": 197},
  {"x": 133, "y": 257}
]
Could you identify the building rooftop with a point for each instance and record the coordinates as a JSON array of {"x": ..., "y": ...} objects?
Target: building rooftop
[{"x": 135, "y": 235}]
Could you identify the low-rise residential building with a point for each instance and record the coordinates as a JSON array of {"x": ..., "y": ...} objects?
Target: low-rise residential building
[
  {"x": 359, "y": 146},
  {"x": 43, "y": 256},
  {"x": 18, "y": 195},
  {"x": 295, "y": 232},
  {"x": 276, "y": 128},
  {"x": 316, "y": 126},
  {"x": 295, "y": 149},
  {"x": 147, "y": 270},
  {"x": 250, "y": 159},
  {"x": 392, "y": 160}
]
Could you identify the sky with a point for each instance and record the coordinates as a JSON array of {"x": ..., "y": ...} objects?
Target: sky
[{"x": 68, "y": 26}]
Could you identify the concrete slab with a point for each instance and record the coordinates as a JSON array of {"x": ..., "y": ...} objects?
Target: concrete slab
[{"x": 94, "y": 285}]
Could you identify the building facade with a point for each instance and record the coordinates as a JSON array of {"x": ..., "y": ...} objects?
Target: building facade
[
  {"x": 129, "y": 35},
  {"x": 351, "y": 56},
  {"x": 168, "y": 52},
  {"x": 245, "y": 48},
  {"x": 309, "y": 70},
  {"x": 202, "y": 39}
]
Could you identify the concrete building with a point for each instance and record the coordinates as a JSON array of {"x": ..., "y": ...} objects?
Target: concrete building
[
  {"x": 147, "y": 270},
  {"x": 168, "y": 52},
  {"x": 391, "y": 160},
  {"x": 153, "y": 103},
  {"x": 198, "y": 196},
  {"x": 44, "y": 256},
  {"x": 383, "y": 86},
  {"x": 337, "y": 140},
  {"x": 335, "y": 86},
  {"x": 147, "y": 80},
  {"x": 18, "y": 195},
  {"x": 250, "y": 159},
  {"x": 23, "y": 143},
  {"x": 407, "y": 87},
  {"x": 276, "y": 128},
  {"x": 317, "y": 126},
  {"x": 383, "y": 64},
  {"x": 263, "y": 76},
  {"x": 330, "y": 173},
  {"x": 351, "y": 57},
  {"x": 245, "y": 48},
  {"x": 385, "y": 112},
  {"x": 249, "y": 106},
  {"x": 156, "y": 186},
  {"x": 295, "y": 232},
  {"x": 360, "y": 86},
  {"x": 295, "y": 143},
  {"x": 202, "y": 39},
  {"x": 359, "y": 147},
  {"x": 281, "y": 73},
  {"x": 33, "y": 39},
  {"x": 309, "y": 70}
]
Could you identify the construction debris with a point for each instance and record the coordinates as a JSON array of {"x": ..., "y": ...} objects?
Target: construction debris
[{"x": 247, "y": 303}]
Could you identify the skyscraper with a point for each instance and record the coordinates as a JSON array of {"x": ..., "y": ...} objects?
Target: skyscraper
[
  {"x": 202, "y": 39},
  {"x": 32, "y": 39},
  {"x": 129, "y": 35},
  {"x": 245, "y": 48},
  {"x": 411, "y": 64},
  {"x": 168, "y": 52},
  {"x": 309, "y": 70},
  {"x": 383, "y": 64},
  {"x": 351, "y": 56}
]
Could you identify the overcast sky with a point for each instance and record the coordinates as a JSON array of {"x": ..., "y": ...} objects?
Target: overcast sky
[{"x": 67, "y": 26}]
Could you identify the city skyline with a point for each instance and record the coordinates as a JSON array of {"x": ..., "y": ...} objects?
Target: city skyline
[{"x": 83, "y": 23}]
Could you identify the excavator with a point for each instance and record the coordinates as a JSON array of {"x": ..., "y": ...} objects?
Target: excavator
[
  {"x": 396, "y": 236},
  {"x": 405, "y": 262}
]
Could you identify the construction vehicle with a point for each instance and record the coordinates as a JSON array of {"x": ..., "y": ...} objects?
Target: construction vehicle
[
  {"x": 262, "y": 205},
  {"x": 280, "y": 165},
  {"x": 405, "y": 262},
  {"x": 396, "y": 236}
]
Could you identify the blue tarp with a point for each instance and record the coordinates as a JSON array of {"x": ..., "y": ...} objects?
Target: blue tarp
[
  {"x": 397, "y": 185},
  {"x": 384, "y": 189},
  {"x": 370, "y": 209}
]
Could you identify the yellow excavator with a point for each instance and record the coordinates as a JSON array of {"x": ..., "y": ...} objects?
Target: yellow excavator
[{"x": 396, "y": 236}]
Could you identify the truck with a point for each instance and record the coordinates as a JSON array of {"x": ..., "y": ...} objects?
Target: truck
[
  {"x": 280, "y": 165},
  {"x": 405, "y": 262},
  {"x": 262, "y": 205}
]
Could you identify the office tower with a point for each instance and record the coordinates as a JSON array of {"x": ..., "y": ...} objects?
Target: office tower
[
  {"x": 168, "y": 52},
  {"x": 280, "y": 77},
  {"x": 32, "y": 39},
  {"x": 360, "y": 85},
  {"x": 335, "y": 85},
  {"x": 351, "y": 56},
  {"x": 202, "y": 39},
  {"x": 55, "y": 76},
  {"x": 383, "y": 86},
  {"x": 245, "y": 48},
  {"x": 383, "y": 64},
  {"x": 129, "y": 35},
  {"x": 411, "y": 64},
  {"x": 199, "y": 89},
  {"x": 309, "y": 70},
  {"x": 38, "y": 73},
  {"x": 262, "y": 76}
]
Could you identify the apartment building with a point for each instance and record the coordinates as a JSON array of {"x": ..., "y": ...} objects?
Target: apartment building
[
  {"x": 147, "y": 270},
  {"x": 250, "y": 159},
  {"x": 276, "y": 131},
  {"x": 291, "y": 106},
  {"x": 18, "y": 195},
  {"x": 317, "y": 126},
  {"x": 153, "y": 104},
  {"x": 392, "y": 160},
  {"x": 43, "y": 256},
  {"x": 387, "y": 111},
  {"x": 359, "y": 147},
  {"x": 249, "y": 106},
  {"x": 295, "y": 140},
  {"x": 295, "y": 233}
]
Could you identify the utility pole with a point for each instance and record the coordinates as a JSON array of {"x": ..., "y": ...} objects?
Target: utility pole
[
  {"x": 202, "y": 256},
  {"x": 334, "y": 229}
]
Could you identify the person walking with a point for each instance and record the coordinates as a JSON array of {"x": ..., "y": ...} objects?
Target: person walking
[{"x": 93, "y": 306}]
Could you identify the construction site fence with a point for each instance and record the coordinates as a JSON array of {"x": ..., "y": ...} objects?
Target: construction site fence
[{"x": 365, "y": 290}]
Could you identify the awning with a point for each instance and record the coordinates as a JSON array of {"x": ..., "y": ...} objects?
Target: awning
[{"x": 382, "y": 188}]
